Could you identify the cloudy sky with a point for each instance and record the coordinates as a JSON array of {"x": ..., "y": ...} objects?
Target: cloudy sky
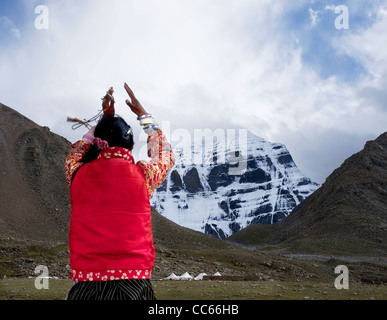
[{"x": 310, "y": 74}]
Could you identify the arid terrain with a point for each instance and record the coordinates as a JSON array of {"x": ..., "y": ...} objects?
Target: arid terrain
[{"x": 342, "y": 223}]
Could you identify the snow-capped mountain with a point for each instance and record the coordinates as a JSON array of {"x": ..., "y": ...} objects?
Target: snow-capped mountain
[{"x": 219, "y": 186}]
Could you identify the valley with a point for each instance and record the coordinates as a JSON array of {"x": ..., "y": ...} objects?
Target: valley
[{"x": 343, "y": 222}]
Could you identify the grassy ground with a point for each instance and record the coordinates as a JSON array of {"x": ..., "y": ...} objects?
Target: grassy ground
[{"x": 24, "y": 289}]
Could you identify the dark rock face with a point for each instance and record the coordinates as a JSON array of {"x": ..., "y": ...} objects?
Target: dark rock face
[
  {"x": 255, "y": 176},
  {"x": 214, "y": 231},
  {"x": 176, "y": 182},
  {"x": 212, "y": 199},
  {"x": 219, "y": 177},
  {"x": 192, "y": 181}
]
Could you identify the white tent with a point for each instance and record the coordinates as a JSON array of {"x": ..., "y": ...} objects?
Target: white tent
[
  {"x": 185, "y": 276},
  {"x": 200, "y": 276},
  {"x": 217, "y": 274},
  {"x": 172, "y": 276}
]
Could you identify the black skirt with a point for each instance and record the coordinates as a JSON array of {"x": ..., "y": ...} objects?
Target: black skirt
[{"x": 112, "y": 290}]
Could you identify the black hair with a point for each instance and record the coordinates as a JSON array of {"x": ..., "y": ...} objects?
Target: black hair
[{"x": 115, "y": 131}]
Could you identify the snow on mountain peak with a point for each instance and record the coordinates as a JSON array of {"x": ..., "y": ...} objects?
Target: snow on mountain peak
[{"x": 224, "y": 181}]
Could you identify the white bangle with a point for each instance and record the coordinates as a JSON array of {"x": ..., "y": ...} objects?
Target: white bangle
[
  {"x": 144, "y": 116},
  {"x": 151, "y": 127},
  {"x": 146, "y": 121}
]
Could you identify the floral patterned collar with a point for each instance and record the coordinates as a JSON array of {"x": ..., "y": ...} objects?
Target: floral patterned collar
[{"x": 116, "y": 152}]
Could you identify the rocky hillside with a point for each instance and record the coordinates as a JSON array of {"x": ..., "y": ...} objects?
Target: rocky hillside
[
  {"x": 347, "y": 214},
  {"x": 33, "y": 193}
]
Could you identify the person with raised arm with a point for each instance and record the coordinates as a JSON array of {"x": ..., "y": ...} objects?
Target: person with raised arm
[{"x": 111, "y": 244}]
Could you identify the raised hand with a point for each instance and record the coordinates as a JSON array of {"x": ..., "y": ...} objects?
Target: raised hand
[
  {"x": 134, "y": 104},
  {"x": 108, "y": 103}
]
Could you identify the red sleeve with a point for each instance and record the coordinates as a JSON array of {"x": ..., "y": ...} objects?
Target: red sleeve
[
  {"x": 162, "y": 160},
  {"x": 73, "y": 160}
]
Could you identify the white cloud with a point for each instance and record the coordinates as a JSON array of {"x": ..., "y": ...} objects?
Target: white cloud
[
  {"x": 370, "y": 46},
  {"x": 196, "y": 64},
  {"x": 10, "y": 26}
]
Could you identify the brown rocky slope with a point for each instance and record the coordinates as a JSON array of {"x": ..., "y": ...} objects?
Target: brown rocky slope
[{"x": 33, "y": 198}]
